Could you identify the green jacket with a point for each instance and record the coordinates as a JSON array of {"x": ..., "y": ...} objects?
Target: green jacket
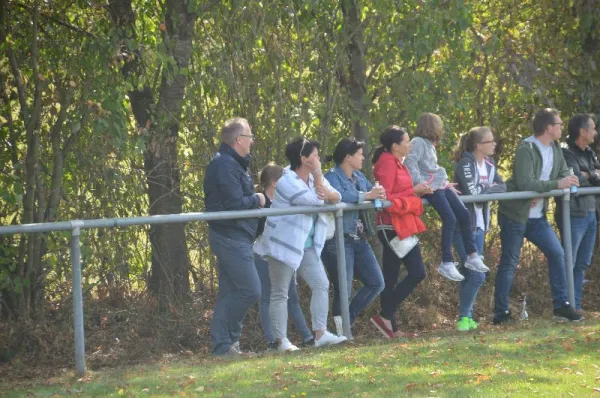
[{"x": 527, "y": 169}]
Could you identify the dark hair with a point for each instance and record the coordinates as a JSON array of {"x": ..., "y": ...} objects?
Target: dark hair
[
  {"x": 270, "y": 173},
  {"x": 468, "y": 142},
  {"x": 297, "y": 148},
  {"x": 392, "y": 135},
  {"x": 576, "y": 123},
  {"x": 346, "y": 146},
  {"x": 542, "y": 119},
  {"x": 430, "y": 127}
]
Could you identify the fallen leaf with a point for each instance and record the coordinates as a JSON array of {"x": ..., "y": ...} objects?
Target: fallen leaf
[
  {"x": 410, "y": 386},
  {"x": 481, "y": 378},
  {"x": 314, "y": 382},
  {"x": 435, "y": 373}
]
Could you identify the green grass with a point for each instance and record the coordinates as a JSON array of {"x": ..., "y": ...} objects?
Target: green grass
[{"x": 537, "y": 358}]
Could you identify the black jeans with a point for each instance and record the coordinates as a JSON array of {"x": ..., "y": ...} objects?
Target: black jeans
[{"x": 394, "y": 293}]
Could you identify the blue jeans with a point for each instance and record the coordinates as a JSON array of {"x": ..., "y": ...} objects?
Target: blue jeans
[
  {"x": 360, "y": 261},
  {"x": 539, "y": 232},
  {"x": 583, "y": 238},
  {"x": 469, "y": 287},
  {"x": 294, "y": 309},
  {"x": 452, "y": 210},
  {"x": 239, "y": 288}
]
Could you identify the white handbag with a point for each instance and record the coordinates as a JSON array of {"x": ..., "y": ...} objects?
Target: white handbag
[
  {"x": 330, "y": 221},
  {"x": 402, "y": 246}
]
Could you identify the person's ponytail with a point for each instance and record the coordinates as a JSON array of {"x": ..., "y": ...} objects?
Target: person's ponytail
[
  {"x": 377, "y": 153},
  {"x": 460, "y": 147}
]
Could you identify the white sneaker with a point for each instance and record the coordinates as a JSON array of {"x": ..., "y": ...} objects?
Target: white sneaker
[
  {"x": 339, "y": 329},
  {"x": 287, "y": 346},
  {"x": 329, "y": 339},
  {"x": 476, "y": 264},
  {"x": 449, "y": 271}
]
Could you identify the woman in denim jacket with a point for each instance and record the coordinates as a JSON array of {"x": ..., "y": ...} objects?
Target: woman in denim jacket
[{"x": 361, "y": 262}]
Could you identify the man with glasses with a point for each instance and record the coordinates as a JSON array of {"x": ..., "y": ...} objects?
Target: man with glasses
[
  {"x": 582, "y": 160},
  {"x": 539, "y": 166},
  {"x": 228, "y": 186}
]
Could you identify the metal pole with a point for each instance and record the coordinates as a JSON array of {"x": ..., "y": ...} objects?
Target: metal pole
[
  {"x": 568, "y": 246},
  {"x": 77, "y": 298},
  {"x": 341, "y": 266}
]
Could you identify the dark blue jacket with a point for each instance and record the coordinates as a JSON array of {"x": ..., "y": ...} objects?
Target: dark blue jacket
[{"x": 228, "y": 186}]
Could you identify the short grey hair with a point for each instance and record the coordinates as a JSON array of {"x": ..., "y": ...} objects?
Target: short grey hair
[{"x": 233, "y": 128}]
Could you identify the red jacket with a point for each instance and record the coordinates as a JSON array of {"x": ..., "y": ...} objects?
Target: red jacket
[
  {"x": 406, "y": 209},
  {"x": 405, "y": 214},
  {"x": 395, "y": 179}
]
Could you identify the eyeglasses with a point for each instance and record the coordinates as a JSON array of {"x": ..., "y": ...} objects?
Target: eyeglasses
[
  {"x": 251, "y": 136},
  {"x": 487, "y": 142},
  {"x": 560, "y": 123}
]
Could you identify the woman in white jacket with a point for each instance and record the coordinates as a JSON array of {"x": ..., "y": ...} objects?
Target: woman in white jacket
[{"x": 294, "y": 243}]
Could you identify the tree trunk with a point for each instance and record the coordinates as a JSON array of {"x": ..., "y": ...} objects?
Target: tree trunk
[
  {"x": 169, "y": 280},
  {"x": 357, "y": 84}
]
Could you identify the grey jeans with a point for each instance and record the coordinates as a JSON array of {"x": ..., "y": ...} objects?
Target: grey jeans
[
  {"x": 239, "y": 288},
  {"x": 312, "y": 271}
]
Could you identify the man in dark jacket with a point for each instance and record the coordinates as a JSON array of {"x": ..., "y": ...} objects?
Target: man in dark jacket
[
  {"x": 539, "y": 166},
  {"x": 228, "y": 186},
  {"x": 582, "y": 160}
]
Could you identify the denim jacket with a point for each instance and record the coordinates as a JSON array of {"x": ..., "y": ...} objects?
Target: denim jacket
[{"x": 350, "y": 194}]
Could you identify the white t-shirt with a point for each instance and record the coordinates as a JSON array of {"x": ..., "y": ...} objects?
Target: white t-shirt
[
  {"x": 547, "y": 152},
  {"x": 483, "y": 179}
]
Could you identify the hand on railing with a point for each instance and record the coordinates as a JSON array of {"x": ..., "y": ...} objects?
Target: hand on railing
[
  {"x": 422, "y": 189},
  {"x": 568, "y": 182},
  {"x": 378, "y": 192}
]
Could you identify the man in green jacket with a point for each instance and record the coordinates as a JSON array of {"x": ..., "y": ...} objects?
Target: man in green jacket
[{"x": 539, "y": 166}]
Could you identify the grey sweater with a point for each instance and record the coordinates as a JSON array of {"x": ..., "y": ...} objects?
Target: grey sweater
[{"x": 422, "y": 164}]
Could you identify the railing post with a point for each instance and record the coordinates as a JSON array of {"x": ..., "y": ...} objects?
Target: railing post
[
  {"x": 342, "y": 275},
  {"x": 77, "y": 298},
  {"x": 568, "y": 246}
]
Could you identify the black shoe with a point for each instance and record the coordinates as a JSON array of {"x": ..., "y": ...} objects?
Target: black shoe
[
  {"x": 308, "y": 343},
  {"x": 566, "y": 313},
  {"x": 272, "y": 346},
  {"x": 501, "y": 318}
]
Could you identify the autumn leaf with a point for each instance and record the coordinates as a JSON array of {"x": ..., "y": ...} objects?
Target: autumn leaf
[
  {"x": 410, "y": 386},
  {"x": 567, "y": 346}
]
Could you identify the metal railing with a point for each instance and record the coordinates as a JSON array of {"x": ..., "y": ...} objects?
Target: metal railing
[{"x": 76, "y": 226}]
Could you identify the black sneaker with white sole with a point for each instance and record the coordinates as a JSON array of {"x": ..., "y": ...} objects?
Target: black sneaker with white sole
[
  {"x": 501, "y": 317},
  {"x": 566, "y": 313}
]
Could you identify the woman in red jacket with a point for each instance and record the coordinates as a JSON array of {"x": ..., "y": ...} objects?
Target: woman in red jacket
[{"x": 395, "y": 178}]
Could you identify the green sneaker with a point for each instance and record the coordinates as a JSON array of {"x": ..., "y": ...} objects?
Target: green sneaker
[
  {"x": 472, "y": 324},
  {"x": 463, "y": 324}
]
